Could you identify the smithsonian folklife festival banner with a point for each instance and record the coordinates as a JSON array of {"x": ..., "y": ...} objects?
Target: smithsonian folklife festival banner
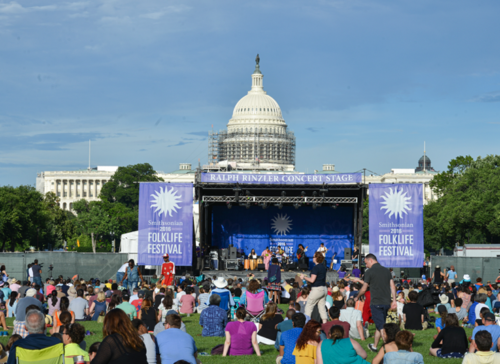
[
  {"x": 396, "y": 219},
  {"x": 165, "y": 223}
]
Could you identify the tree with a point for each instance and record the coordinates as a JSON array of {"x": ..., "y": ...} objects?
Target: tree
[
  {"x": 123, "y": 187},
  {"x": 468, "y": 210}
]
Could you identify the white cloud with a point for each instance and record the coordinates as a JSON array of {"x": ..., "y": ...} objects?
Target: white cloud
[
  {"x": 11, "y": 8},
  {"x": 488, "y": 97}
]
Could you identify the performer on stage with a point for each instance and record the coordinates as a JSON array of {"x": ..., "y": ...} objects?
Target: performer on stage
[
  {"x": 301, "y": 254},
  {"x": 167, "y": 271},
  {"x": 334, "y": 260},
  {"x": 267, "y": 255},
  {"x": 322, "y": 249},
  {"x": 280, "y": 251},
  {"x": 252, "y": 255}
]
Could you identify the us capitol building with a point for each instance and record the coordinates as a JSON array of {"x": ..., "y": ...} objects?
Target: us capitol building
[{"x": 257, "y": 140}]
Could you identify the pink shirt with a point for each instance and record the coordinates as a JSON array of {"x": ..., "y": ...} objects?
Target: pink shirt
[
  {"x": 187, "y": 303},
  {"x": 14, "y": 287},
  {"x": 241, "y": 337}
]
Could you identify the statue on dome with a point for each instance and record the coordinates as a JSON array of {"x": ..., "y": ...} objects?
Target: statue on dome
[{"x": 257, "y": 59}]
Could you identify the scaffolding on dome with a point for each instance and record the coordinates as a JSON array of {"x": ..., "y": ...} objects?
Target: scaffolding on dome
[{"x": 252, "y": 147}]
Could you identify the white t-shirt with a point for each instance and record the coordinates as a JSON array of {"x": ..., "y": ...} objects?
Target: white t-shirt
[
  {"x": 322, "y": 250},
  {"x": 123, "y": 268},
  {"x": 30, "y": 272},
  {"x": 479, "y": 306}
]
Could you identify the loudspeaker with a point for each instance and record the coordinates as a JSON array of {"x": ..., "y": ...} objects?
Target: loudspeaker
[
  {"x": 206, "y": 262},
  {"x": 290, "y": 267},
  {"x": 223, "y": 254},
  {"x": 303, "y": 267},
  {"x": 232, "y": 264},
  {"x": 347, "y": 253},
  {"x": 261, "y": 267},
  {"x": 232, "y": 253}
]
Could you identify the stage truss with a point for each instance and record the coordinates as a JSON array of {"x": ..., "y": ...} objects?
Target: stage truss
[{"x": 280, "y": 200}]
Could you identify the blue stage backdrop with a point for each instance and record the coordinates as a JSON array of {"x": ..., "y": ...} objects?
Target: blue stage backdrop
[{"x": 258, "y": 228}]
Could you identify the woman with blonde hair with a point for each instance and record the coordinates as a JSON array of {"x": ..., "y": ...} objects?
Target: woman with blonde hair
[
  {"x": 267, "y": 326},
  {"x": 99, "y": 306},
  {"x": 121, "y": 341},
  {"x": 338, "y": 298}
]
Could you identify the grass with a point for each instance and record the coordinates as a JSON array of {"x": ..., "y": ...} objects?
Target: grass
[{"x": 421, "y": 344}]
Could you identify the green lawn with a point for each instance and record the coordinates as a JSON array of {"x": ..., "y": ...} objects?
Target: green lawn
[{"x": 422, "y": 343}]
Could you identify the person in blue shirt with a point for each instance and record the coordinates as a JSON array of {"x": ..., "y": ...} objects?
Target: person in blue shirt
[
  {"x": 174, "y": 345},
  {"x": 489, "y": 325},
  {"x": 289, "y": 339},
  {"x": 36, "y": 339},
  {"x": 213, "y": 319},
  {"x": 223, "y": 292}
]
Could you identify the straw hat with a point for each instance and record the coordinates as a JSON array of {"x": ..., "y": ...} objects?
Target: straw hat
[
  {"x": 444, "y": 299},
  {"x": 335, "y": 289},
  {"x": 14, "y": 281},
  {"x": 72, "y": 291},
  {"x": 220, "y": 282},
  {"x": 51, "y": 282},
  {"x": 31, "y": 292}
]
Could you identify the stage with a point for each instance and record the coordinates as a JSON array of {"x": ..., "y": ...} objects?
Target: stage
[{"x": 330, "y": 276}]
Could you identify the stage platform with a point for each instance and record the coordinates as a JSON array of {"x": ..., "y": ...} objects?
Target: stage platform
[{"x": 330, "y": 276}]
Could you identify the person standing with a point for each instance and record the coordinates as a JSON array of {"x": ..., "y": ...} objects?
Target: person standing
[
  {"x": 451, "y": 275},
  {"x": 382, "y": 287},
  {"x": 266, "y": 255},
  {"x": 167, "y": 271},
  {"x": 274, "y": 279},
  {"x": 121, "y": 273},
  {"x": 199, "y": 259},
  {"x": 301, "y": 254},
  {"x": 37, "y": 271},
  {"x": 133, "y": 274},
  {"x": 318, "y": 288}
]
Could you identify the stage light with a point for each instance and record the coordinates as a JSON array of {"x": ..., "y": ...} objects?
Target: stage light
[
  {"x": 280, "y": 206},
  {"x": 229, "y": 205},
  {"x": 315, "y": 193},
  {"x": 314, "y": 206},
  {"x": 302, "y": 193},
  {"x": 335, "y": 205},
  {"x": 296, "y": 205},
  {"x": 283, "y": 193},
  {"x": 248, "y": 205},
  {"x": 264, "y": 205}
]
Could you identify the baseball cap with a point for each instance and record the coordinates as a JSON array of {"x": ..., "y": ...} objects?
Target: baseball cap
[
  {"x": 165, "y": 255},
  {"x": 488, "y": 316}
]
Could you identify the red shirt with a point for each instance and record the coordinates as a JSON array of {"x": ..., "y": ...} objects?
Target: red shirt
[
  {"x": 137, "y": 304},
  {"x": 346, "y": 325},
  {"x": 167, "y": 269}
]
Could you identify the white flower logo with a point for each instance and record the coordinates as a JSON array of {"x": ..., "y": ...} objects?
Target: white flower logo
[
  {"x": 396, "y": 203},
  {"x": 166, "y": 201},
  {"x": 281, "y": 224}
]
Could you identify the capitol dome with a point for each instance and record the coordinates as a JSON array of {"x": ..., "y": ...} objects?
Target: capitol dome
[{"x": 257, "y": 136}]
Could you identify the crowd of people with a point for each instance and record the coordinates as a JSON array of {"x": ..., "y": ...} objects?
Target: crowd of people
[{"x": 326, "y": 322}]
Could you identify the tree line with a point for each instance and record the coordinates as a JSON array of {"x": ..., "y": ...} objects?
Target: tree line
[{"x": 31, "y": 219}]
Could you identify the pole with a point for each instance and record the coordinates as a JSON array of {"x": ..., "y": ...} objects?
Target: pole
[
  {"x": 424, "y": 156},
  {"x": 89, "y": 154}
]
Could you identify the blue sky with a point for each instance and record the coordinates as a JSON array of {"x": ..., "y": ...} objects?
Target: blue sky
[{"x": 361, "y": 83}]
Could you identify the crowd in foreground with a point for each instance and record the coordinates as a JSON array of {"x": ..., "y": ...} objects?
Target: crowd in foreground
[{"x": 324, "y": 323}]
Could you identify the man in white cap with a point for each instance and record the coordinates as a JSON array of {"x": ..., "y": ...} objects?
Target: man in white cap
[
  {"x": 21, "y": 310},
  {"x": 466, "y": 279},
  {"x": 167, "y": 271},
  {"x": 220, "y": 289}
]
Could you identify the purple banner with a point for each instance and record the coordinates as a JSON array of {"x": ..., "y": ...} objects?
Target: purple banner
[
  {"x": 281, "y": 179},
  {"x": 397, "y": 224},
  {"x": 165, "y": 223}
]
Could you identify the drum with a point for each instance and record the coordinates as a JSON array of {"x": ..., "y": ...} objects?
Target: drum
[
  {"x": 247, "y": 264},
  {"x": 253, "y": 264},
  {"x": 260, "y": 261}
]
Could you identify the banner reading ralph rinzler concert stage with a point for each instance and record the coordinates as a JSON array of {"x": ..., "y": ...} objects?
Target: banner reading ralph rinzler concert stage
[
  {"x": 396, "y": 219},
  {"x": 165, "y": 223}
]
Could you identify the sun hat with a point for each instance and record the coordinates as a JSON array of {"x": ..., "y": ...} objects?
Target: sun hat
[
  {"x": 220, "y": 282},
  {"x": 51, "y": 282},
  {"x": 466, "y": 278},
  {"x": 31, "y": 292},
  {"x": 444, "y": 299},
  {"x": 72, "y": 291},
  {"x": 335, "y": 289}
]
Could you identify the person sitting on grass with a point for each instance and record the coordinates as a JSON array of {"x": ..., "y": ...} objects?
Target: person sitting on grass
[
  {"x": 267, "y": 325},
  {"x": 389, "y": 337},
  {"x": 213, "y": 319},
  {"x": 93, "y": 350},
  {"x": 334, "y": 314},
  {"x": 489, "y": 325},
  {"x": 289, "y": 339},
  {"x": 443, "y": 313},
  {"x": 241, "y": 336},
  {"x": 149, "y": 340},
  {"x": 307, "y": 343},
  {"x": 484, "y": 345},
  {"x": 451, "y": 341},
  {"x": 413, "y": 313},
  {"x": 73, "y": 335},
  {"x": 174, "y": 344},
  {"x": 331, "y": 350},
  {"x": 459, "y": 310},
  {"x": 405, "y": 354}
]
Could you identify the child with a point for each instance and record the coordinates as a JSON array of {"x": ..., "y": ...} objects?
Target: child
[
  {"x": 392, "y": 317},
  {"x": 236, "y": 293}
]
